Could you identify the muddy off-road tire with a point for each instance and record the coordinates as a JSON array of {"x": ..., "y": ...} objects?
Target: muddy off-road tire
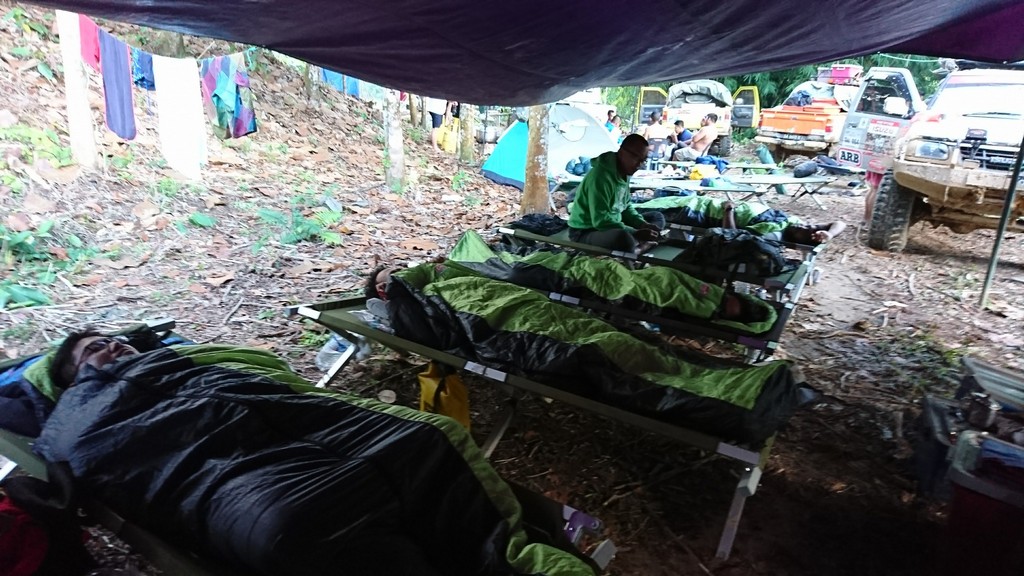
[
  {"x": 891, "y": 216},
  {"x": 721, "y": 147}
]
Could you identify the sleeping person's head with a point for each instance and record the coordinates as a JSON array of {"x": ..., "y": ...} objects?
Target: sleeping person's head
[
  {"x": 87, "y": 347},
  {"x": 739, "y": 309},
  {"x": 377, "y": 282}
]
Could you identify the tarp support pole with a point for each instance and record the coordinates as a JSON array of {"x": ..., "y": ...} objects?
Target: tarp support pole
[{"x": 1004, "y": 221}]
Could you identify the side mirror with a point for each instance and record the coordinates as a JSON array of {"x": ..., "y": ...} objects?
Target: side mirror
[{"x": 895, "y": 106}]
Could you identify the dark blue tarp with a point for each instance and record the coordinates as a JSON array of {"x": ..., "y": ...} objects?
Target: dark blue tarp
[{"x": 534, "y": 51}]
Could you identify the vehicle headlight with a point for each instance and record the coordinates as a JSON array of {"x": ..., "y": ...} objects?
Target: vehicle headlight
[{"x": 928, "y": 149}]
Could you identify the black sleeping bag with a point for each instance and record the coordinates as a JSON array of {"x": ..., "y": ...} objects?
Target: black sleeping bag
[{"x": 221, "y": 450}]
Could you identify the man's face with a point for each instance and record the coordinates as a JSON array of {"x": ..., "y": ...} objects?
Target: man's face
[
  {"x": 631, "y": 158},
  {"x": 705, "y": 121},
  {"x": 98, "y": 351}
]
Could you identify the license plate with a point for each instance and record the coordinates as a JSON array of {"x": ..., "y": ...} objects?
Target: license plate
[{"x": 849, "y": 157}]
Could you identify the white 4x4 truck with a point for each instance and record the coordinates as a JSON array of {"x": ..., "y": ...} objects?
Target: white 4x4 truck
[{"x": 948, "y": 163}]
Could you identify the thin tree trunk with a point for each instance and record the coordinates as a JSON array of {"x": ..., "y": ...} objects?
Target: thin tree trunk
[
  {"x": 414, "y": 111},
  {"x": 394, "y": 169},
  {"x": 467, "y": 121},
  {"x": 426, "y": 117},
  {"x": 76, "y": 92},
  {"x": 535, "y": 190}
]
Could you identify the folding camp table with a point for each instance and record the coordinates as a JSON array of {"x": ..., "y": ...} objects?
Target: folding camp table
[
  {"x": 569, "y": 182},
  {"x": 784, "y": 287},
  {"x": 808, "y": 186},
  {"x": 742, "y": 166},
  {"x": 339, "y": 317}
]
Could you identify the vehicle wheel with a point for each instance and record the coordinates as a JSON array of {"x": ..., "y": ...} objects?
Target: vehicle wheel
[
  {"x": 724, "y": 146},
  {"x": 890, "y": 217}
]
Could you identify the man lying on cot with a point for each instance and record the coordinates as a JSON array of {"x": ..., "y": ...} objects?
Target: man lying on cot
[
  {"x": 708, "y": 212},
  {"x": 658, "y": 291},
  {"x": 602, "y": 214},
  {"x": 225, "y": 451}
]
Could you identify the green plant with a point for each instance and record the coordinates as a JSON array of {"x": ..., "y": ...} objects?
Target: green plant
[
  {"x": 471, "y": 200},
  {"x": 266, "y": 314},
  {"x": 459, "y": 180},
  {"x": 167, "y": 187},
  {"x": 313, "y": 335},
  {"x": 36, "y": 256},
  {"x": 295, "y": 228},
  {"x": 21, "y": 331},
  {"x": 202, "y": 220},
  {"x": 417, "y": 134},
  {"x": 26, "y": 23},
  {"x": 40, "y": 143},
  {"x": 122, "y": 162}
]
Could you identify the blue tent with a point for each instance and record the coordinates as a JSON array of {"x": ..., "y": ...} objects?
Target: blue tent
[
  {"x": 506, "y": 164},
  {"x": 572, "y": 133}
]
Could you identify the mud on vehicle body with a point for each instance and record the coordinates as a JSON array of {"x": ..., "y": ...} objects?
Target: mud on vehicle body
[{"x": 951, "y": 165}]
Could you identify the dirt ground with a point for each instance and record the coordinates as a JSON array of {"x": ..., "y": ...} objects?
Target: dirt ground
[{"x": 875, "y": 334}]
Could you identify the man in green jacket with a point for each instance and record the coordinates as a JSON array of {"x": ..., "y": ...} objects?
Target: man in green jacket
[{"x": 602, "y": 214}]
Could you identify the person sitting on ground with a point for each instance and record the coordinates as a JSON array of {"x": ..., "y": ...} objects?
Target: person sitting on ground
[
  {"x": 608, "y": 124},
  {"x": 602, "y": 214},
  {"x": 701, "y": 141},
  {"x": 708, "y": 212}
]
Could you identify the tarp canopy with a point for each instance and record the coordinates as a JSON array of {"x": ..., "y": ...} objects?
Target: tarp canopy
[{"x": 536, "y": 51}]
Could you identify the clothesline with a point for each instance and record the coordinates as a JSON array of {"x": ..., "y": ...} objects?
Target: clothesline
[{"x": 223, "y": 89}]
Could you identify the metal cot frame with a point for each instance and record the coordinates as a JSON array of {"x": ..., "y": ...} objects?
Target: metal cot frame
[{"x": 337, "y": 316}]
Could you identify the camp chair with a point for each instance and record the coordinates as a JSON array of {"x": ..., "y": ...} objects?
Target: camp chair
[
  {"x": 785, "y": 287},
  {"x": 340, "y": 317}
]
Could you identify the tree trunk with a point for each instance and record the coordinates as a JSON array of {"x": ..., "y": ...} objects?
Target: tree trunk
[
  {"x": 426, "y": 117},
  {"x": 535, "y": 190},
  {"x": 467, "y": 121},
  {"x": 394, "y": 163},
  {"x": 167, "y": 43},
  {"x": 414, "y": 111},
  {"x": 76, "y": 92}
]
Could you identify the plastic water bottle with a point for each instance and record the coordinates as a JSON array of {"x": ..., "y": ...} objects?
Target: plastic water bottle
[{"x": 331, "y": 351}]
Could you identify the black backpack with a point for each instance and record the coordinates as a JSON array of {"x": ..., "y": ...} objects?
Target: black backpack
[{"x": 724, "y": 249}]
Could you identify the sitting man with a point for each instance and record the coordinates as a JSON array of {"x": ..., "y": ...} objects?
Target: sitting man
[
  {"x": 225, "y": 451},
  {"x": 701, "y": 141},
  {"x": 602, "y": 214},
  {"x": 708, "y": 212},
  {"x": 680, "y": 138}
]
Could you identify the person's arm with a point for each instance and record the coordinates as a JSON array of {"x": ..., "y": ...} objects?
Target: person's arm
[
  {"x": 633, "y": 218},
  {"x": 729, "y": 216},
  {"x": 601, "y": 198}
]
